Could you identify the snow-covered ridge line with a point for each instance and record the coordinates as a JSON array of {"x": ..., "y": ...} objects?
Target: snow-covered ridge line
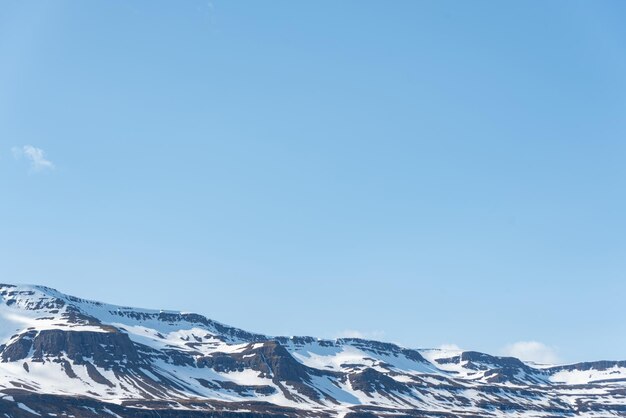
[
  {"x": 62, "y": 345},
  {"x": 88, "y": 306}
]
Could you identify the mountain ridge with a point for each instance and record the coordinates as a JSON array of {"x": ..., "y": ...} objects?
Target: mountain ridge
[{"x": 79, "y": 351}]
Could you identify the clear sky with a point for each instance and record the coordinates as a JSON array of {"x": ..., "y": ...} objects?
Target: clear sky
[{"x": 422, "y": 172}]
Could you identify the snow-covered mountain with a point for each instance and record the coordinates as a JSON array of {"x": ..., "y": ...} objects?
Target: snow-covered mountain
[{"x": 65, "y": 356}]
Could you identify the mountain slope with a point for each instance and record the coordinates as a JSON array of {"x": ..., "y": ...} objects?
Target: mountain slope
[{"x": 63, "y": 355}]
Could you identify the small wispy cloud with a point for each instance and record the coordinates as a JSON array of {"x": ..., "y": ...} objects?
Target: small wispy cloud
[
  {"x": 534, "y": 351},
  {"x": 365, "y": 335},
  {"x": 35, "y": 156}
]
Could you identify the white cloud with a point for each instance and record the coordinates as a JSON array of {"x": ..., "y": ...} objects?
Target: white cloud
[
  {"x": 532, "y": 351},
  {"x": 36, "y": 156},
  {"x": 366, "y": 335}
]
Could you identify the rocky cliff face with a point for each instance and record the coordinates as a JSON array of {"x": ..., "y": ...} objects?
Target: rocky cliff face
[{"x": 61, "y": 355}]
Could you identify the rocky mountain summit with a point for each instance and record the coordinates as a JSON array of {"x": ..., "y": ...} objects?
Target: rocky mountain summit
[{"x": 65, "y": 356}]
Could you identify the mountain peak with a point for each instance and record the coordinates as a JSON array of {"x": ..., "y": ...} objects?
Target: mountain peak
[{"x": 60, "y": 353}]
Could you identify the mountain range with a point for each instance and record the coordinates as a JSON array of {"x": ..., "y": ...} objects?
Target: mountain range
[{"x": 65, "y": 356}]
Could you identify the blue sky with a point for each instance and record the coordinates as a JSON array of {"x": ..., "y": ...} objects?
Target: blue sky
[{"x": 420, "y": 172}]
